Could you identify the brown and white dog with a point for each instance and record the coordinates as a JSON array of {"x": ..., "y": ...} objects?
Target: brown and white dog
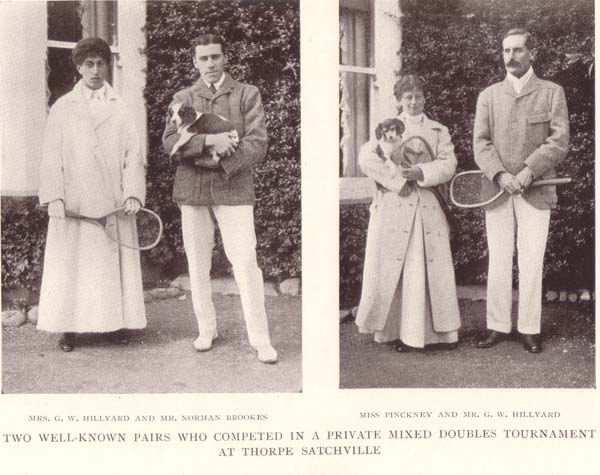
[
  {"x": 190, "y": 122},
  {"x": 389, "y": 135}
]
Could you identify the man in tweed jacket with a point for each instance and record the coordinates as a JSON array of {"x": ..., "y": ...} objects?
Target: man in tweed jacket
[
  {"x": 521, "y": 133},
  {"x": 227, "y": 188}
]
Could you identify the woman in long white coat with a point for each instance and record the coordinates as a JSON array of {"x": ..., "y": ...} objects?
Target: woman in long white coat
[
  {"x": 409, "y": 292},
  {"x": 92, "y": 163}
]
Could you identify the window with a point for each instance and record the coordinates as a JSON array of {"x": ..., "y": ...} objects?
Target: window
[
  {"x": 68, "y": 22},
  {"x": 357, "y": 73}
]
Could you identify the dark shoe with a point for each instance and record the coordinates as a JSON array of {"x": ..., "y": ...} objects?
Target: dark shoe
[
  {"x": 67, "y": 342},
  {"x": 119, "y": 337},
  {"x": 402, "y": 348},
  {"x": 448, "y": 346},
  {"x": 492, "y": 339},
  {"x": 532, "y": 343}
]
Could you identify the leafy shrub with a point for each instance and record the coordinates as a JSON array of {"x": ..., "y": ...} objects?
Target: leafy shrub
[
  {"x": 456, "y": 46},
  {"x": 263, "y": 50},
  {"x": 23, "y": 239}
]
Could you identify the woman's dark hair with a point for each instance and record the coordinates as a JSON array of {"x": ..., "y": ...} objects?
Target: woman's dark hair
[
  {"x": 407, "y": 83},
  {"x": 208, "y": 39},
  {"x": 88, "y": 47}
]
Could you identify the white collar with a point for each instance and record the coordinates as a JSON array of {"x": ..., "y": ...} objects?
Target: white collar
[
  {"x": 412, "y": 120},
  {"x": 217, "y": 84},
  {"x": 519, "y": 83},
  {"x": 94, "y": 93}
]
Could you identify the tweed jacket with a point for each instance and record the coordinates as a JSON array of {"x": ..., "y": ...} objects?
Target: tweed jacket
[
  {"x": 232, "y": 183},
  {"x": 517, "y": 130}
]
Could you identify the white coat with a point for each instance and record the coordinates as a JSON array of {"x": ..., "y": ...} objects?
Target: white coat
[
  {"x": 90, "y": 283},
  {"x": 390, "y": 228}
]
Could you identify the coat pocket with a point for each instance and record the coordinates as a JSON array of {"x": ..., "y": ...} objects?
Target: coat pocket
[
  {"x": 183, "y": 183},
  {"x": 538, "y": 127}
]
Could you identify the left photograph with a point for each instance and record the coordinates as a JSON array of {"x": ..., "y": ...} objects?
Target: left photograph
[{"x": 151, "y": 226}]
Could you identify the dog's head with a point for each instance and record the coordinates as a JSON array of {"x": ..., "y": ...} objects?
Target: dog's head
[
  {"x": 181, "y": 115},
  {"x": 390, "y": 130}
]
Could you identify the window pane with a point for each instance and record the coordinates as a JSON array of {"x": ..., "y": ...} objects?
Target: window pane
[
  {"x": 99, "y": 18},
  {"x": 355, "y": 37},
  {"x": 62, "y": 74},
  {"x": 64, "y": 21},
  {"x": 354, "y": 120}
]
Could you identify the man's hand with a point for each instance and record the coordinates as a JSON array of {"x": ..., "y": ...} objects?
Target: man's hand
[
  {"x": 525, "y": 177},
  {"x": 508, "y": 183},
  {"x": 224, "y": 144},
  {"x": 56, "y": 209},
  {"x": 413, "y": 173},
  {"x": 132, "y": 205}
]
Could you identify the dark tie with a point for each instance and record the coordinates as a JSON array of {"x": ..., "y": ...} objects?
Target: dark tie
[{"x": 212, "y": 88}]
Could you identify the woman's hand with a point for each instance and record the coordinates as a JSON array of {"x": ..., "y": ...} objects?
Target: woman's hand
[
  {"x": 56, "y": 209},
  {"x": 413, "y": 173},
  {"x": 132, "y": 205}
]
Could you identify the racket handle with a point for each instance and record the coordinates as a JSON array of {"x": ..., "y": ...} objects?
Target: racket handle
[{"x": 551, "y": 181}]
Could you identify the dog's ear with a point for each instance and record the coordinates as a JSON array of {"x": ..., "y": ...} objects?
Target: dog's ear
[
  {"x": 188, "y": 114},
  {"x": 400, "y": 127},
  {"x": 379, "y": 131}
]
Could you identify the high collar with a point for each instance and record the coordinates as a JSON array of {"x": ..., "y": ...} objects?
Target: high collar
[
  {"x": 226, "y": 86},
  {"x": 217, "y": 84},
  {"x": 519, "y": 83},
  {"x": 531, "y": 85},
  {"x": 425, "y": 122},
  {"x": 81, "y": 92}
]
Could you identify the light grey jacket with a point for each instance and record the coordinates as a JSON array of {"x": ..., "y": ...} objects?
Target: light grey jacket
[{"x": 526, "y": 129}]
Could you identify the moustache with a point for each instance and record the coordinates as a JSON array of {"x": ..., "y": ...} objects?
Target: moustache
[{"x": 513, "y": 63}]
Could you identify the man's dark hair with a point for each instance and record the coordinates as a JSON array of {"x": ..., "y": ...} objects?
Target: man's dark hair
[
  {"x": 89, "y": 47},
  {"x": 529, "y": 41},
  {"x": 208, "y": 39}
]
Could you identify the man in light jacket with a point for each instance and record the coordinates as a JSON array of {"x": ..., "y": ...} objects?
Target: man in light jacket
[
  {"x": 226, "y": 187},
  {"x": 521, "y": 133},
  {"x": 92, "y": 163}
]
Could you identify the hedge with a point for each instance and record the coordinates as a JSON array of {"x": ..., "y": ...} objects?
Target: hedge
[
  {"x": 263, "y": 49},
  {"x": 456, "y": 46}
]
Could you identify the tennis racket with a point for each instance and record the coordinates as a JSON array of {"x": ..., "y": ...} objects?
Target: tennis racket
[
  {"x": 467, "y": 187},
  {"x": 147, "y": 233}
]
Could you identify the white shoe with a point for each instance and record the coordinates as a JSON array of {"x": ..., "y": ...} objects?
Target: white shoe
[
  {"x": 266, "y": 354},
  {"x": 204, "y": 343}
]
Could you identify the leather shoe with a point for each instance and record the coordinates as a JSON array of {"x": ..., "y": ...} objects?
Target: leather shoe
[
  {"x": 67, "y": 342},
  {"x": 532, "y": 343},
  {"x": 492, "y": 339}
]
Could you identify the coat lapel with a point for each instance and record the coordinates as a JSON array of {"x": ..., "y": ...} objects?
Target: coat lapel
[
  {"x": 81, "y": 106},
  {"x": 508, "y": 88},
  {"x": 530, "y": 86}
]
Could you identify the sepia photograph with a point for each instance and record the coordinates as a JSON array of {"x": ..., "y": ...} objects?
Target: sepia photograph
[
  {"x": 151, "y": 227},
  {"x": 467, "y": 194},
  {"x": 298, "y": 236}
]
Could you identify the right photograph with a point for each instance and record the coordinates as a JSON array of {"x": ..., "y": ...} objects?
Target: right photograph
[{"x": 466, "y": 194}]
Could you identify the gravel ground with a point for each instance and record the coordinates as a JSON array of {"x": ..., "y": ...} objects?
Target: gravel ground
[
  {"x": 160, "y": 358},
  {"x": 566, "y": 362}
]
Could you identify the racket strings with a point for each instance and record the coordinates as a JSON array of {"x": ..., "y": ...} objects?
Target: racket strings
[
  {"x": 466, "y": 189},
  {"x": 149, "y": 229}
]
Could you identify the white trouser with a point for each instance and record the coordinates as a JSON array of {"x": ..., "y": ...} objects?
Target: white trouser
[
  {"x": 239, "y": 240},
  {"x": 532, "y": 232}
]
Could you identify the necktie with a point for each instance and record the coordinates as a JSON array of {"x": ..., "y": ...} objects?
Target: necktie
[{"x": 212, "y": 88}]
